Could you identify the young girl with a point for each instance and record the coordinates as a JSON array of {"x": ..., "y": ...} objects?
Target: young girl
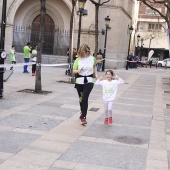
[{"x": 109, "y": 92}]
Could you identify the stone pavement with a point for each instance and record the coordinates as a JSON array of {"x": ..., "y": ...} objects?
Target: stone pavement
[{"x": 43, "y": 132}]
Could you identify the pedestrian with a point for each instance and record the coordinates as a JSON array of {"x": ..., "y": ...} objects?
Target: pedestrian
[
  {"x": 27, "y": 51},
  {"x": 67, "y": 53},
  {"x": 85, "y": 69},
  {"x": 99, "y": 58},
  {"x": 166, "y": 62},
  {"x": 100, "y": 52},
  {"x": 156, "y": 64},
  {"x": 33, "y": 60},
  {"x": 150, "y": 63},
  {"x": 110, "y": 86},
  {"x": 12, "y": 56},
  {"x": 127, "y": 63},
  {"x": 74, "y": 54}
]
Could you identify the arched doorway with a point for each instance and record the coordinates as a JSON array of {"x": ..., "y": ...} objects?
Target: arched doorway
[{"x": 48, "y": 34}]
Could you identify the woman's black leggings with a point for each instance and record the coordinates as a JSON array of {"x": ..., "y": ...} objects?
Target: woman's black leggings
[
  {"x": 33, "y": 68},
  {"x": 84, "y": 92}
]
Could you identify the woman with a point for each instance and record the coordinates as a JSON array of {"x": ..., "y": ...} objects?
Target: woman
[
  {"x": 33, "y": 60},
  {"x": 85, "y": 67}
]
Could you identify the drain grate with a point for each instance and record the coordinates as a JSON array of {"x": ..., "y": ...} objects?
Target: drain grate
[
  {"x": 166, "y": 78},
  {"x": 62, "y": 81},
  {"x": 166, "y": 91},
  {"x": 168, "y": 106},
  {"x": 93, "y": 109},
  {"x": 167, "y": 83},
  {"x": 129, "y": 140}
]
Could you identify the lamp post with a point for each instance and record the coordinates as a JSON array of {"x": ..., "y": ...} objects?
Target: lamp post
[
  {"x": 130, "y": 32},
  {"x": 138, "y": 39},
  {"x": 81, "y": 4},
  {"x": 140, "y": 47},
  {"x": 151, "y": 38},
  {"x": 2, "y": 44},
  {"x": 107, "y": 22}
]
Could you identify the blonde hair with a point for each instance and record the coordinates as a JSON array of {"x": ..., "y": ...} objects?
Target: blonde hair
[{"x": 84, "y": 49}]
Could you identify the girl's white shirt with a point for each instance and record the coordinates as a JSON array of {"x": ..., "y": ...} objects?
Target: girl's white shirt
[
  {"x": 34, "y": 53},
  {"x": 109, "y": 88}
]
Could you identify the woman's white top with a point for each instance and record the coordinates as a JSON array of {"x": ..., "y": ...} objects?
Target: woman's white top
[
  {"x": 109, "y": 88},
  {"x": 86, "y": 65},
  {"x": 34, "y": 53}
]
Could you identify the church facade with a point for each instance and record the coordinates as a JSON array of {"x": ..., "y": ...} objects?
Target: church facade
[{"x": 23, "y": 19}]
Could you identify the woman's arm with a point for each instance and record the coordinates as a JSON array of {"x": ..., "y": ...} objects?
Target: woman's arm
[
  {"x": 76, "y": 71},
  {"x": 95, "y": 72}
]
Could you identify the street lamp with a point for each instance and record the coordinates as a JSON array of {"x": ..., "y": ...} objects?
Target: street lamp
[
  {"x": 138, "y": 39},
  {"x": 140, "y": 47},
  {"x": 81, "y": 4},
  {"x": 107, "y": 22},
  {"x": 130, "y": 33},
  {"x": 2, "y": 44}
]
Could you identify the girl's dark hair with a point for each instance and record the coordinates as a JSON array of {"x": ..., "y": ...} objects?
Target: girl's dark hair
[{"x": 111, "y": 72}]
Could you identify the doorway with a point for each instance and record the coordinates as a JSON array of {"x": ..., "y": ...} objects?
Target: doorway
[{"x": 49, "y": 30}]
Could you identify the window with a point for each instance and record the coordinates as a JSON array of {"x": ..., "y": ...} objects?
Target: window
[
  {"x": 152, "y": 12},
  {"x": 156, "y": 27}
]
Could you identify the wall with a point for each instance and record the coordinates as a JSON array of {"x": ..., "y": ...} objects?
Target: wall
[{"x": 21, "y": 12}]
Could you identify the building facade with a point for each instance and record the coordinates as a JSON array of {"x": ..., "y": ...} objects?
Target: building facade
[
  {"x": 152, "y": 30},
  {"x": 23, "y": 22}
]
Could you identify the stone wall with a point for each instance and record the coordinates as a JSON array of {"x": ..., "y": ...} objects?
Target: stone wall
[{"x": 46, "y": 59}]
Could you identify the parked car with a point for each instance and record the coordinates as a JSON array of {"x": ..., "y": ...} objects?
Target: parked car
[{"x": 163, "y": 62}]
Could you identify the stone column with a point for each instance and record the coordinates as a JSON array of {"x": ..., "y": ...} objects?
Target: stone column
[{"x": 8, "y": 37}]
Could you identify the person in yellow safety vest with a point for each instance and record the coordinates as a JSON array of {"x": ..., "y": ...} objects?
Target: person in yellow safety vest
[
  {"x": 12, "y": 56},
  {"x": 27, "y": 51}
]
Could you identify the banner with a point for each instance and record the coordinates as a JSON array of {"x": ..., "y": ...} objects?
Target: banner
[{"x": 150, "y": 54}]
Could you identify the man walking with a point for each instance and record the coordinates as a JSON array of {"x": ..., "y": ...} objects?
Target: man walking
[{"x": 27, "y": 50}]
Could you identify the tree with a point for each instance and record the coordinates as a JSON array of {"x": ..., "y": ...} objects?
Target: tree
[
  {"x": 165, "y": 14},
  {"x": 154, "y": 4},
  {"x": 38, "y": 86},
  {"x": 71, "y": 30},
  {"x": 97, "y": 4},
  {"x": 71, "y": 36}
]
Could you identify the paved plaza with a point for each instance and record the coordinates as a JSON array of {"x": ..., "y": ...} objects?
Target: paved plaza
[{"x": 43, "y": 132}]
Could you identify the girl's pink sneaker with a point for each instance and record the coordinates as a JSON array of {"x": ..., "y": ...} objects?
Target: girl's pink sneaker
[
  {"x": 110, "y": 120},
  {"x": 106, "y": 121}
]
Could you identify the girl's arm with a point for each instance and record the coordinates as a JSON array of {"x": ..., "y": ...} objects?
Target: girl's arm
[
  {"x": 120, "y": 81},
  {"x": 99, "y": 80}
]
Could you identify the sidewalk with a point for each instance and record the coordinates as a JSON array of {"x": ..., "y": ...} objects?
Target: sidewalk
[{"x": 43, "y": 132}]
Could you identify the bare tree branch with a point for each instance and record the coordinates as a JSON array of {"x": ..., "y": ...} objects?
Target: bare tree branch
[
  {"x": 152, "y": 3},
  {"x": 97, "y": 4}
]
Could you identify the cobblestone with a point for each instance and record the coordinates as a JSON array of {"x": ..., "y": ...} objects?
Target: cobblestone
[{"x": 43, "y": 132}]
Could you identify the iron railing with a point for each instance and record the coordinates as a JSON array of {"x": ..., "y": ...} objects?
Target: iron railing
[{"x": 55, "y": 42}]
